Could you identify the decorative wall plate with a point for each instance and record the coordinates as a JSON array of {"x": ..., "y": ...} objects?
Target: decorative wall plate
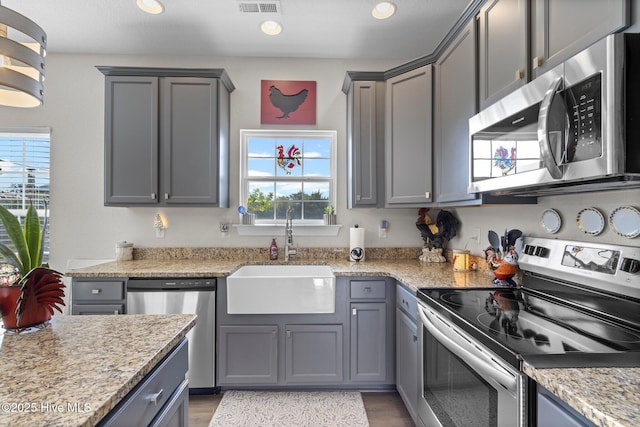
[
  {"x": 590, "y": 221},
  {"x": 625, "y": 221},
  {"x": 551, "y": 221}
]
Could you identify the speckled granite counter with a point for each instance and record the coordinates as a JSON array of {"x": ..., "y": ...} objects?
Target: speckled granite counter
[
  {"x": 74, "y": 371},
  {"x": 590, "y": 391},
  {"x": 411, "y": 273},
  {"x": 609, "y": 397}
]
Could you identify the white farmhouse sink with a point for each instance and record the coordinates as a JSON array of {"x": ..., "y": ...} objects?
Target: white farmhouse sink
[{"x": 281, "y": 289}]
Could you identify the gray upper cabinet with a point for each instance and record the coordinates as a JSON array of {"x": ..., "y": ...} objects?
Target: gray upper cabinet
[
  {"x": 365, "y": 144},
  {"x": 455, "y": 103},
  {"x": 166, "y": 136},
  {"x": 503, "y": 52},
  {"x": 131, "y": 140},
  {"x": 408, "y": 139},
  {"x": 561, "y": 29}
]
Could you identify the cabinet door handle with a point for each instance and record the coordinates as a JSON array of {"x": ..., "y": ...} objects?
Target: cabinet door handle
[
  {"x": 95, "y": 291},
  {"x": 155, "y": 397},
  {"x": 354, "y": 311},
  {"x": 273, "y": 333},
  {"x": 537, "y": 62},
  {"x": 153, "y": 196},
  {"x": 288, "y": 334},
  {"x": 519, "y": 73},
  {"x": 166, "y": 196},
  {"x": 116, "y": 311},
  {"x": 367, "y": 289},
  {"x": 415, "y": 338}
]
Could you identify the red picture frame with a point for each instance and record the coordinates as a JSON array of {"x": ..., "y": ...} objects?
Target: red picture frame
[{"x": 287, "y": 102}]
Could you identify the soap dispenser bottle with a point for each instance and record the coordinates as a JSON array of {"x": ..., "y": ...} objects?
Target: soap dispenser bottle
[{"x": 273, "y": 250}]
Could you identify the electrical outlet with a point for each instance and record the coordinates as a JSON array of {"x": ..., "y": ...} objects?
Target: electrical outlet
[
  {"x": 476, "y": 235},
  {"x": 225, "y": 227}
]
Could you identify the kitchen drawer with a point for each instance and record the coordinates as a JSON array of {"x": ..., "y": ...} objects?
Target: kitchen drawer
[
  {"x": 407, "y": 301},
  {"x": 149, "y": 397},
  {"x": 368, "y": 289},
  {"x": 82, "y": 309},
  {"x": 98, "y": 290}
]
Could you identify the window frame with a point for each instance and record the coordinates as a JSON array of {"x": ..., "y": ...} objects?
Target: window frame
[
  {"x": 44, "y": 214},
  {"x": 246, "y": 134}
]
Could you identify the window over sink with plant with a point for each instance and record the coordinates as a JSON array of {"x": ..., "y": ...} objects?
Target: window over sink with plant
[{"x": 283, "y": 169}]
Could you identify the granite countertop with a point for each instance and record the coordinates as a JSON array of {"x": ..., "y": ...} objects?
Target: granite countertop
[
  {"x": 75, "y": 370},
  {"x": 609, "y": 397},
  {"x": 412, "y": 273},
  {"x": 589, "y": 391}
]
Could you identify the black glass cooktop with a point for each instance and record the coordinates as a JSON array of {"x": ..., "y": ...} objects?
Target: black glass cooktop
[{"x": 519, "y": 324}]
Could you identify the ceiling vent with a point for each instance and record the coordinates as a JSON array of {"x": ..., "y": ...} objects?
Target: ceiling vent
[{"x": 259, "y": 6}]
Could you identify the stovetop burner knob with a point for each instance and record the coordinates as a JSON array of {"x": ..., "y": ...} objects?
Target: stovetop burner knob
[{"x": 630, "y": 265}]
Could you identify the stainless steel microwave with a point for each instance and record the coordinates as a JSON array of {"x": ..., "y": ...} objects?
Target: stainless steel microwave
[{"x": 575, "y": 128}]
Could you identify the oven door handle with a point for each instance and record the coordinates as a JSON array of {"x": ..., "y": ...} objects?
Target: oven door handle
[
  {"x": 481, "y": 362},
  {"x": 543, "y": 129}
]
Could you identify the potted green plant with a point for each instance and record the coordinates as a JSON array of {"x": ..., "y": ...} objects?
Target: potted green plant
[
  {"x": 329, "y": 215},
  {"x": 29, "y": 290}
]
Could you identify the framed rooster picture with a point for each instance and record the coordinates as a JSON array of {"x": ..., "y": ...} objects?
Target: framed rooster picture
[{"x": 287, "y": 102}]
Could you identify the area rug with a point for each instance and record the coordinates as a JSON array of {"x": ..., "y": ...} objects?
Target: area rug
[{"x": 290, "y": 409}]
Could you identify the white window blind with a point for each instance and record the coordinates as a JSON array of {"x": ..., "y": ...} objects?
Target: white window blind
[{"x": 24, "y": 175}]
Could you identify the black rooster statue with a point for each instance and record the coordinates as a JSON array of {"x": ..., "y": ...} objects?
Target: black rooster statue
[{"x": 286, "y": 103}]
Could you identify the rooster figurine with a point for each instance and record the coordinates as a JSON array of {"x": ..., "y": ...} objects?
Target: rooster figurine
[{"x": 503, "y": 268}]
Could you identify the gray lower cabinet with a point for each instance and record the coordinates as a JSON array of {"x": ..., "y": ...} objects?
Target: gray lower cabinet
[
  {"x": 553, "y": 412},
  {"x": 166, "y": 136},
  {"x": 408, "y": 139},
  {"x": 160, "y": 399},
  {"x": 365, "y": 144},
  {"x": 98, "y": 296},
  {"x": 371, "y": 331},
  {"x": 313, "y": 354},
  {"x": 248, "y": 354},
  {"x": 407, "y": 349},
  {"x": 560, "y": 29}
]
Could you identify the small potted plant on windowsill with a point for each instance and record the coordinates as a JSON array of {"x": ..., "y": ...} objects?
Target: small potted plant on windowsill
[
  {"x": 29, "y": 290},
  {"x": 329, "y": 215}
]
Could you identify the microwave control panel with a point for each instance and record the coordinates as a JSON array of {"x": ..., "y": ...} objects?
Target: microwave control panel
[{"x": 584, "y": 103}]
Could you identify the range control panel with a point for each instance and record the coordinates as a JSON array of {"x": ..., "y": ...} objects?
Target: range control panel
[{"x": 613, "y": 268}]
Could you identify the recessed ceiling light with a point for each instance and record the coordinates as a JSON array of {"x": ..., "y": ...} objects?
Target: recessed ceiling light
[
  {"x": 383, "y": 10},
  {"x": 271, "y": 28},
  {"x": 150, "y": 6}
]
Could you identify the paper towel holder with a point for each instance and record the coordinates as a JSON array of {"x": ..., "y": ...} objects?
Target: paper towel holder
[{"x": 356, "y": 253}]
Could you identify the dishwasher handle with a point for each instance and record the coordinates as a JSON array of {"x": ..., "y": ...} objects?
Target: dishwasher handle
[{"x": 172, "y": 284}]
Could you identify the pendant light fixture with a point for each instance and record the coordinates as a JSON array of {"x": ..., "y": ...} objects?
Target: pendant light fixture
[{"x": 21, "y": 63}]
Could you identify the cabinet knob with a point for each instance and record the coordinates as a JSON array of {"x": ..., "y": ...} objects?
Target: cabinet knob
[
  {"x": 367, "y": 289},
  {"x": 415, "y": 338},
  {"x": 95, "y": 291},
  {"x": 519, "y": 74},
  {"x": 537, "y": 62},
  {"x": 155, "y": 397}
]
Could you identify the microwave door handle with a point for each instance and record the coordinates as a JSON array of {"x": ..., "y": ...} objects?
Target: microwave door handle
[
  {"x": 483, "y": 364},
  {"x": 543, "y": 129}
]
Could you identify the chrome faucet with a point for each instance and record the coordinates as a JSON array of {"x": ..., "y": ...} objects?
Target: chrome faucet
[{"x": 289, "y": 250}]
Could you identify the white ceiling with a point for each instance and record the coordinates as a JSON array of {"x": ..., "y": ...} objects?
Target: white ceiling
[{"x": 312, "y": 28}]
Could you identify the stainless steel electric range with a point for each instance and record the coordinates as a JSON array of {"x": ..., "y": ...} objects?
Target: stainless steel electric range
[{"x": 578, "y": 305}]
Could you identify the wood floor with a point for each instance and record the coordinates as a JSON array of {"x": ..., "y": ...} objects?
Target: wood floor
[{"x": 383, "y": 409}]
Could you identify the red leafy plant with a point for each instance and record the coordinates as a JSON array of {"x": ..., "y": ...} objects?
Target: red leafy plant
[{"x": 39, "y": 290}]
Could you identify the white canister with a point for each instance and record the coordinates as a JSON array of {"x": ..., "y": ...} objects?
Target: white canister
[{"x": 124, "y": 251}]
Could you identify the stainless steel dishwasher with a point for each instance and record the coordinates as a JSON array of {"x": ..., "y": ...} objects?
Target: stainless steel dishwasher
[{"x": 183, "y": 296}]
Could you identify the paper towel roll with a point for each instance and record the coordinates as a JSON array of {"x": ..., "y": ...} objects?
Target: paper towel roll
[{"x": 356, "y": 244}]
